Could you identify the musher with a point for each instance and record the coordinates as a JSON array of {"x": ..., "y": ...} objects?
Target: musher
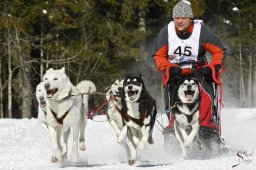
[{"x": 186, "y": 40}]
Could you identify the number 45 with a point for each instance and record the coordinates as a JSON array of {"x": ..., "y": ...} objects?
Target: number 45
[{"x": 186, "y": 52}]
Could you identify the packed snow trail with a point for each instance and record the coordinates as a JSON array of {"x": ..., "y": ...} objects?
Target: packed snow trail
[{"x": 25, "y": 145}]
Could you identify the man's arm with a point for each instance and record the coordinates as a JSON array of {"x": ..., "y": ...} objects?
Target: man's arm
[
  {"x": 213, "y": 45},
  {"x": 160, "y": 50}
]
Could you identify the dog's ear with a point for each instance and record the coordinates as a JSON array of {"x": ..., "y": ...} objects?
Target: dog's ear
[
  {"x": 122, "y": 81},
  {"x": 50, "y": 69},
  {"x": 125, "y": 78},
  {"x": 195, "y": 80},
  {"x": 66, "y": 90},
  {"x": 141, "y": 78},
  {"x": 120, "y": 78},
  {"x": 142, "y": 82},
  {"x": 62, "y": 69},
  {"x": 181, "y": 80},
  {"x": 128, "y": 75}
]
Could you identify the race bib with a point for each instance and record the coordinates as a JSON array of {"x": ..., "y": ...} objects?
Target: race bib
[{"x": 183, "y": 50}]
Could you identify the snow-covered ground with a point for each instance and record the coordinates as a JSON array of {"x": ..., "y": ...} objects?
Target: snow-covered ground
[{"x": 25, "y": 145}]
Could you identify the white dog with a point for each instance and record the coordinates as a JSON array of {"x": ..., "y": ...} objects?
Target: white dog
[
  {"x": 115, "y": 119},
  {"x": 67, "y": 107},
  {"x": 87, "y": 88},
  {"x": 113, "y": 95},
  {"x": 42, "y": 113}
]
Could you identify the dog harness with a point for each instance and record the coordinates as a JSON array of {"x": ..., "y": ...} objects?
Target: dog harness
[
  {"x": 189, "y": 117},
  {"x": 127, "y": 117},
  {"x": 61, "y": 119}
]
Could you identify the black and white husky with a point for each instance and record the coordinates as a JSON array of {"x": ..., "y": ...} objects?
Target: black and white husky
[
  {"x": 138, "y": 114},
  {"x": 186, "y": 112}
]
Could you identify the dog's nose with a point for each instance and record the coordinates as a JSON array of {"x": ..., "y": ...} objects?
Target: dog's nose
[
  {"x": 189, "y": 86},
  {"x": 41, "y": 98},
  {"x": 47, "y": 86},
  {"x": 129, "y": 87},
  {"x": 120, "y": 88}
]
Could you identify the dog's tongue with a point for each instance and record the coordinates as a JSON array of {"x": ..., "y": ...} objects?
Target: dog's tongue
[
  {"x": 131, "y": 93},
  {"x": 49, "y": 91},
  {"x": 189, "y": 97},
  {"x": 42, "y": 103}
]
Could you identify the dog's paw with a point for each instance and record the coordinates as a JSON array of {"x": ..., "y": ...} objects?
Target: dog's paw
[
  {"x": 64, "y": 156},
  {"x": 54, "y": 159},
  {"x": 141, "y": 145},
  {"x": 75, "y": 159},
  {"x": 151, "y": 140},
  {"x": 58, "y": 154},
  {"x": 184, "y": 158},
  {"x": 131, "y": 162},
  {"x": 199, "y": 145},
  {"x": 120, "y": 138},
  {"x": 135, "y": 140},
  {"x": 82, "y": 146}
]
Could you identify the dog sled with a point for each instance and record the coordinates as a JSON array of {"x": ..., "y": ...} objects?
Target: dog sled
[{"x": 211, "y": 139}]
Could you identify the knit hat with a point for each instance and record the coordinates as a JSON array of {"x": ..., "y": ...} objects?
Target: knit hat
[{"x": 182, "y": 9}]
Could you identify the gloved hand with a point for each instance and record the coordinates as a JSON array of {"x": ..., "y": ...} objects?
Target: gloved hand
[
  {"x": 207, "y": 73},
  {"x": 202, "y": 60},
  {"x": 175, "y": 72}
]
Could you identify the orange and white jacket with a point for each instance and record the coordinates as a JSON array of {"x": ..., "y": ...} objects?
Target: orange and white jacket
[{"x": 208, "y": 42}]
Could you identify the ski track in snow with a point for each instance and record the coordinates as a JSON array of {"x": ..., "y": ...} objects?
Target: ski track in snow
[{"x": 25, "y": 145}]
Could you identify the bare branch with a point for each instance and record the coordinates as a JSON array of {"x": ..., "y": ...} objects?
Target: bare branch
[{"x": 61, "y": 61}]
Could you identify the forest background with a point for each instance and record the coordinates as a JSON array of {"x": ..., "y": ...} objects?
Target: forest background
[{"x": 101, "y": 40}]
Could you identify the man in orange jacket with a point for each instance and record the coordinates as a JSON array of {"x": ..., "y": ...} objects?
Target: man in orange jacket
[{"x": 185, "y": 40}]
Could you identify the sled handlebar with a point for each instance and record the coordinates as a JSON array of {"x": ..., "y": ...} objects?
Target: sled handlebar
[
  {"x": 190, "y": 62},
  {"x": 217, "y": 67}
]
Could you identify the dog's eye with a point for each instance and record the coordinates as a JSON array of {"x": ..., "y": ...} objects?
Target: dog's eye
[
  {"x": 193, "y": 84},
  {"x": 134, "y": 80},
  {"x": 45, "y": 78},
  {"x": 185, "y": 84},
  {"x": 55, "y": 79},
  {"x": 128, "y": 80}
]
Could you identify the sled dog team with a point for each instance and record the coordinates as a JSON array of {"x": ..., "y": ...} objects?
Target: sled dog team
[{"x": 64, "y": 107}]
